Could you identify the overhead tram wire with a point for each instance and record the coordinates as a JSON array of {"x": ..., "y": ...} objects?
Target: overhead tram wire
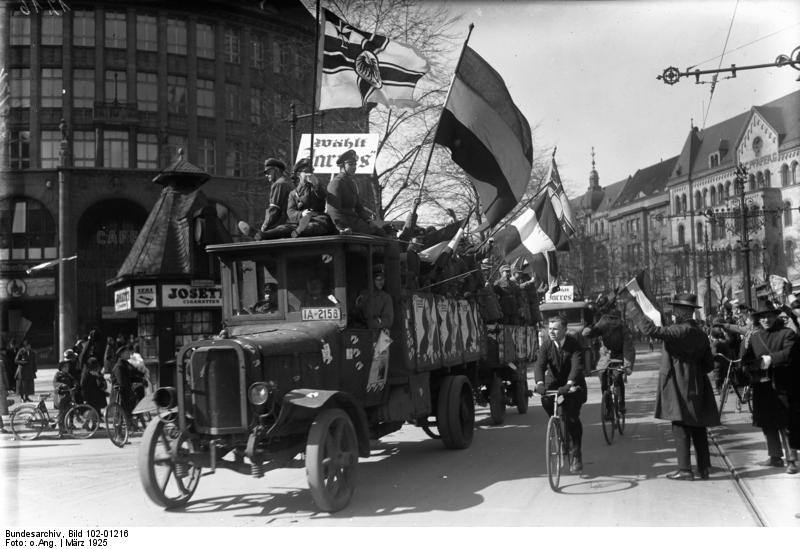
[
  {"x": 748, "y": 44},
  {"x": 724, "y": 48}
]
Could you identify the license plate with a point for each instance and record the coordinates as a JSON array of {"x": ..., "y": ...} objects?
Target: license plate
[{"x": 321, "y": 313}]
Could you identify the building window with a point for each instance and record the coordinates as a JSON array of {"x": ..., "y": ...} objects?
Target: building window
[
  {"x": 83, "y": 149},
  {"x": 51, "y": 145},
  {"x": 784, "y": 176},
  {"x": 233, "y": 160},
  {"x": 713, "y": 196},
  {"x": 255, "y": 106},
  {"x": 146, "y": 33},
  {"x": 205, "y": 97},
  {"x": 713, "y": 160},
  {"x": 20, "y": 29},
  {"x": 83, "y": 28},
  {"x": 767, "y": 178},
  {"x": 116, "y": 86},
  {"x": 231, "y": 46},
  {"x": 681, "y": 235},
  {"x": 760, "y": 180},
  {"x": 83, "y": 88},
  {"x": 52, "y": 29},
  {"x": 20, "y": 149},
  {"x": 727, "y": 190},
  {"x": 27, "y": 231},
  {"x": 751, "y": 181},
  {"x": 176, "y": 94},
  {"x": 115, "y": 149},
  {"x": 787, "y": 214},
  {"x": 174, "y": 144},
  {"x": 232, "y": 101},
  {"x": 795, "y": 164},
  {"x": 205, "y": 41},
  {"x": 176, "y": 36},
  {"x": 257, "y": 53},
  {"x": 52, "y": 86},
  {"x": 20, "y": 88},
  {"x": 205, "y": 153},
  {"x": 146, "y": 151},
  {"x": 116, "y": 31},
  {"x": 789, "y": 251},
  {"x": 147, "y": 91},
  {"x": 277, "y": 57}
]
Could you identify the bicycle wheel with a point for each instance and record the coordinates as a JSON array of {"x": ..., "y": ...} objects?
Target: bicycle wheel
[
  {"x": 117, "y": 425},
  {"x": 723, "y": 396},
  {"x": 553, "y": 457},
  {"x": 619, "y": 414},
  {"x": 27, "y": 423},
  {"x": 747, "y": 396},
  {"x": 81, "y": 421},
  {"x": 607, "y": 416}
]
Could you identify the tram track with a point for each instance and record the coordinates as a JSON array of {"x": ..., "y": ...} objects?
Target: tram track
[{"x": 741, "y": 487}]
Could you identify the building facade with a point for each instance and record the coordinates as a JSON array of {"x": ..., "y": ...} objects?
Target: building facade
[{"x": 99, "y": 99}]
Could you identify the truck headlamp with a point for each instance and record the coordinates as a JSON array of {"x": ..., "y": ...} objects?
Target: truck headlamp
[{"x": 258, "y": 393}]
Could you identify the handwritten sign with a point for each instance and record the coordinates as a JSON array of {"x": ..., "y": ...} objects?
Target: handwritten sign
[{"x": 329, "y": 146}]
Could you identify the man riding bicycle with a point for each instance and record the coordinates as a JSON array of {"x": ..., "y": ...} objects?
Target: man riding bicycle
[{"x": 615, "y": 337}]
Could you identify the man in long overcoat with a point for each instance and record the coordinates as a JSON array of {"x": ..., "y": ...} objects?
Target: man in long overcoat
[
  {"x": 684, "y": 395},
  {"x": 775, "y": 350},
  {"x": 343, "y": 203}
]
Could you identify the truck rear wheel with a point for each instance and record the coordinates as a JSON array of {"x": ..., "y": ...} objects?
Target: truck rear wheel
[
  {"x": 497, "y": 400},
  {"x": 332, "y": 460},
  {"x": 521, "y": 395},
  {"x": 456, "y": 412}
]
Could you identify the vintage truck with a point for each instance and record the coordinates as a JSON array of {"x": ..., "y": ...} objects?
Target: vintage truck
[{"x": 298, "y": 373}]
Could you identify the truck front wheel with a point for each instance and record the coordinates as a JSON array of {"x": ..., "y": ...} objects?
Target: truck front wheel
[
  {"x": 332, "y": 460},
  {"x": 456, "y": 412}
]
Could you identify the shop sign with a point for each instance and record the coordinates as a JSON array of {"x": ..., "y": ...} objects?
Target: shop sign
[
  {"x": 329, "y": 146},
  {"x": 186, "y": 295},
  {"x": 564, "y": 294},
  {"x": 144, "y": 297},
  {"x": 122, "y": 300},
  {"x": 11, "y": 288}
]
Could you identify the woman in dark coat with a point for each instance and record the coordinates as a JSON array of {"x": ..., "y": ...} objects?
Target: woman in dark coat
[
  {"x": 684, "y": 395},
  {"x": 26, "y": 371},
  {"x": 93, "y": 385}
]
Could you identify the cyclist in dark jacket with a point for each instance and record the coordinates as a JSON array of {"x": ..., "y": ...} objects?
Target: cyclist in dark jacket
[
  {"x": 131, "y": 382},
  {"x": 63, "y": 386}
]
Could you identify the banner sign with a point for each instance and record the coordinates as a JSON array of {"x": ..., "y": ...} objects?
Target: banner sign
[
  {"x": 565, "y": 294},
  {"x": 185, "y": 295},
  {"x": 329, "y": 146},
  {"x": 144, "y": 297},
  {"x": 122, "y": 300}
]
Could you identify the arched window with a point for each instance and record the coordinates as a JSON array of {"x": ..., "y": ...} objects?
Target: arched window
[
  {"x": 705, "y": 198},
  {"x": 760, "y": 180},
  {"x": 698, "y": 232},
  {"x": 683, "y": 203},
  {"x": 602, "y": 228},
  {"x": 27, "y": 230},
  {"x": 677, "y": 205},
  {"x": 720, "y": 192},
  {"x": 727, "y": 190},
  {"x": 751, "y": 180},
  {"x": 767, "y": 178},
  {"x": 787, "y": 214},
  {"x": 698, "y": 200},
  {"x": 596, "y": 228},
  {"x": 795, "y": 175},
  {"x": 681, "y": 235},
  {"x": 789, "y": 250},
  {"x": 713, "y": 196},
  {"x": 785, "y": 176}
]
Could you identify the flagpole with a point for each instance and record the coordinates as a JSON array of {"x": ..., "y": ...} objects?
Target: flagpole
[
  {"x": 317, "y": 51},
  {"x": 446, "y": 97}
]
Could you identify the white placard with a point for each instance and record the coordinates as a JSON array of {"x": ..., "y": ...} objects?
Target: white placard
[
  {"x": 122, "y": 300},
  {"x": 564, "y": 294},
  {"x": 329, "y": 146},
  {"x": 185, "y": 295}
]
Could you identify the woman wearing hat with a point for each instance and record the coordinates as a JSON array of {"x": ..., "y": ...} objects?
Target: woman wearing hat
[
  {"x": 775, "y": 349},
  {"x": 26, "y": 371},
  {"x": 684, "y": 395},
  {"x": 343, "y": 203}
]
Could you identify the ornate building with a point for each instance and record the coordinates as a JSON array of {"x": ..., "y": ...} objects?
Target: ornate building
[{"x": 100, "y": 98}]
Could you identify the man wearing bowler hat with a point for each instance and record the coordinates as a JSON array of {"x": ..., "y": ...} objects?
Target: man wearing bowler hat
[
  {"x": 774, "y": 349},
  {"x": 684, "y": 395},
  {"x": 343, "y": 203}
]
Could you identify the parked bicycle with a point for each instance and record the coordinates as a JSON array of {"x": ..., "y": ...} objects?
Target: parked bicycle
[
  {"x": 119, "y": 423},
  {"x": 29, "y": 420},
  {"x": 736, "y": 379},
  {"x": 612, "y": 417}
]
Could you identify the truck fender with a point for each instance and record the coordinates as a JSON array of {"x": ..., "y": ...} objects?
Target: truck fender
[{"x": 316, "y": 400}]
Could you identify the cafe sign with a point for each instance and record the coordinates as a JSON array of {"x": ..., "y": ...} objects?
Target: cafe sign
[{"x": 186, "y": 295}]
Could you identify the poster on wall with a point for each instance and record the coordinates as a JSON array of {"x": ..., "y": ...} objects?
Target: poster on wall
[{"x": 186, "y": 295}]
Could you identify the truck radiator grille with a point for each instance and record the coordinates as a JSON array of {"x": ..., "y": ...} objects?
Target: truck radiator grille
[{"x": 216, "y": 393}]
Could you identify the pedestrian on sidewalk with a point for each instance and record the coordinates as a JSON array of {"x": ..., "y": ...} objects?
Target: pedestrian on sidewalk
[
  {"x": 773, "y": 349},
  {"x": 26, "y": 371},
  {"x": 684, "y": 395}
]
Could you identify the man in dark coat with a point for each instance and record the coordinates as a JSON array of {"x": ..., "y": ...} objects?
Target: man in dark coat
[
  {"x": 375, "y": 306},
  {"x": 774, "y": 349},
  {"x": 684, "y": 394},
  {"x": 343, "y": 203},
  {"x": 506, "y": 289},
  {"x": 306, "y": 206},
  {"x": 562, "y": 356}
]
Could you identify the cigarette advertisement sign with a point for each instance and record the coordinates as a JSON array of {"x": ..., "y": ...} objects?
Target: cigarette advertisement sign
[
  {"x": 329, "y": 146},
  {"x": 186, "y": 295},
  {"x": 144, "y": 297}
]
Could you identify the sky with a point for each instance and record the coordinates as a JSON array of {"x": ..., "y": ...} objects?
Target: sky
[{"x": 584, "y": 73}]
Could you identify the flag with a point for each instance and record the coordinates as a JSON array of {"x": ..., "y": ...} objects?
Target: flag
[
  {"x": 537, "y": 229},
  {"x": 559, "y": 199},
  {"x": 357, "y": 67},
  {"x": 637, "y": 301},
  {"x": 487, "y": 135},
  {"x": 545, "y": 267},
  {"x": 439, "y": 253},
  {"x": 445, "y": 234}
]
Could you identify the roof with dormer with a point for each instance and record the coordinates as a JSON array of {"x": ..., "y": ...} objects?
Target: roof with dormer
[{"x": 646, "y": 183}]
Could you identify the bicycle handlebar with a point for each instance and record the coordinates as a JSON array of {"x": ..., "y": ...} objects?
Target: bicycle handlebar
[
  {"x": 617, "y": 368},
  {"x": 730, "y": 360}
]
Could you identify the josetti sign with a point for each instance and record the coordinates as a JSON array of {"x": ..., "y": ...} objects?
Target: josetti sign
[
  {"x": 329, "y": 146},
  {"x": 185, "y": 295}
]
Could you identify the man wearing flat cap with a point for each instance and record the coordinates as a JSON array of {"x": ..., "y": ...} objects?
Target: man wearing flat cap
[
  {"x": 275, "y": 215},
  {"x": 775, "y": 350},
  {"x": 343, "y": 203},
  {"x": 306, "y": 206},
  {"x": 684, "y": 395}
]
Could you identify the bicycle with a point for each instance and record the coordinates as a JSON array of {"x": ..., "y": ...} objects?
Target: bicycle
[
  {"x": 557, "y": 443},
  {"x": 734, "y": 379},
  {"x": 29, "y": 420},
  {"x": 119, "y": 423},
  {"x": 612, "y": 417}
]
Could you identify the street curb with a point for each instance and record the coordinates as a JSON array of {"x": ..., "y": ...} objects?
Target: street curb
[{"x": 740, "y": 484}]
